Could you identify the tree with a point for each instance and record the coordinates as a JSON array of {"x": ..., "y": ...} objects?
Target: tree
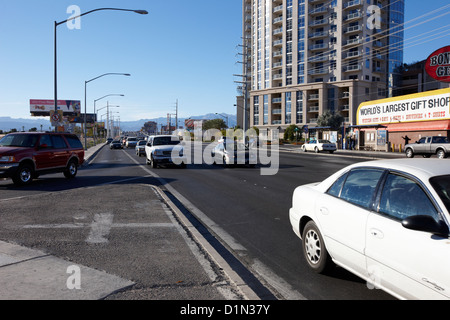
[
  {"x": 291, "y": 133},
  {"x": 218, "y": 124},
  {"x": 330, "y": 119}
]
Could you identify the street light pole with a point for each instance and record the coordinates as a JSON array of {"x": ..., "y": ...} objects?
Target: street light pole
[
  {"x": 55, "y": 44},
  {"x": 85, "y": 103},
  {"x": 95, "y": 111}
]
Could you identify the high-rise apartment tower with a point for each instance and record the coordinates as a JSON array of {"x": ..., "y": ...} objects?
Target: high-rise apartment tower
[{"x": 305, "y": 57}]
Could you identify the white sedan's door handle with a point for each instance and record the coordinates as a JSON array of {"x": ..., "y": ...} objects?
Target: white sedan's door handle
[{"x": 376, "y": 233}]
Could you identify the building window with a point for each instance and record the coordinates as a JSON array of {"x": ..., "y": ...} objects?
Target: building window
[
  {"x": 288, "y": 108},
  {"x": 256, "y": 111},
  {"x": 266, "y": 109},
  {"x": 331, "y": 100},
  {"x": 299, "y": 107}
]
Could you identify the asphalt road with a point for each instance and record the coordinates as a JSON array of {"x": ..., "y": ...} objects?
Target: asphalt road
[{"x": 248, "y": 212}]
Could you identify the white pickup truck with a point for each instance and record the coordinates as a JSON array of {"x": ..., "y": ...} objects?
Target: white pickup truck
[
  {"x": 428, "y": 146},
  {"x": 165, "y": 149}
]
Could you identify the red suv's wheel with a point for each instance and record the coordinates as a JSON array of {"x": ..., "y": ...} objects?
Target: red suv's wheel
[
  {"x": 24, "y": 175},
  {"x": 71, "y": 170}
]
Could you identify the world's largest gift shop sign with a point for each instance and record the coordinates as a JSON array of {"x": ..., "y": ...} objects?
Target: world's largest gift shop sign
[{"x": 427, "y": 106}]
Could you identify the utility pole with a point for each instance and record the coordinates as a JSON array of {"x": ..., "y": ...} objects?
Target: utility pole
[{"x": 245, "y": 82}]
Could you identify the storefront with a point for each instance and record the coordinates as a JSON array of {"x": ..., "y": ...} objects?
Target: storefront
[{"x": 399, "y": 120}]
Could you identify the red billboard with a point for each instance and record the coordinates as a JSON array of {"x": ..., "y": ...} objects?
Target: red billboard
[{"x": 438, "y": 64}]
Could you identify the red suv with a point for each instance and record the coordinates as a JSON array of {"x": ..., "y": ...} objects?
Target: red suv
[{"x": 24, "y": 156}]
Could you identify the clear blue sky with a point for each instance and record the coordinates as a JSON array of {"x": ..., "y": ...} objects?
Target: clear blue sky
[{"x": 185, "y": 50}]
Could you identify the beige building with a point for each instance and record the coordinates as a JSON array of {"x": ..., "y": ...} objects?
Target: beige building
[{"x": 306, "y": 57}]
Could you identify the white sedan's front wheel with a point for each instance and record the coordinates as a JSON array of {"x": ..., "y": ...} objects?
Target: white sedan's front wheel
[{"x": 314, "y": 249}]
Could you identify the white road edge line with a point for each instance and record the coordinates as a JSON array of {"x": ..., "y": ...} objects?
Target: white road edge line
[{"x": 263, "y": 271}]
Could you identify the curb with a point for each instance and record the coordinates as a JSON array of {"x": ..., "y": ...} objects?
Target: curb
[{"x": 240, "y": 284}]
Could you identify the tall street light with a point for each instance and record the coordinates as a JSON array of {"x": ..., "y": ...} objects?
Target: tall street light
[
  {"x": 85, "y": 103},
  {"x": 95, "y": 111},
  {"x": 55, "y": 43}
]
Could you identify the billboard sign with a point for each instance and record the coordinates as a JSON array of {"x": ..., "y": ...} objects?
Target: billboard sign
[
  {"x": 90, "y": 118},
  {"x": 42, "y": 108},
  {"x": 438, "y": 64},
  {"x": 425, "y": 106}
]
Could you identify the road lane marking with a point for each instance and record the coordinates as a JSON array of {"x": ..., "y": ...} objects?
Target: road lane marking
[
  {"x": 279, "y": 284},
  {"x": 100, "y": 228}
]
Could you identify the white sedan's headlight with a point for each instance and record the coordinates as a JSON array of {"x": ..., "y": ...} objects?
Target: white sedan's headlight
[
  {"x": 158, "y": 153},
  {"x": 7, "y": 159}
]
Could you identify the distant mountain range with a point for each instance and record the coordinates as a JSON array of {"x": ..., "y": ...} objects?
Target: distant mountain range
[{"x": 8, "y": 123}]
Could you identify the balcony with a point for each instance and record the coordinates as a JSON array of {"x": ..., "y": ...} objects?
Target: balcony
[
  {"x": 320, "y": 34},
  {"x": 277, "y": 111},
  {"x": 276, "y": 122},
  {"x": 278, "y": 77},
  {"x": 352, "y": 68},
  {"x": 353, "y": 54},
  {"x": 319, "y": 46},
  {"x": 278, "y": 53},
  {"x": 318, "y": 58},
  {"x": 353, "y": 42},
  {"x": 353, "y": 29},
  {"x": 277, "y": 43},
  {"x": 276, "y": 100},
  {"x": 313, "y": 96},
  {"x": 353, "y": 3},
  {"x": 277, "y": 65},
  {"x": 318, "y": 71},
  {"x": 353, "y": 16},
  {"x": 278, "y": 20},
  {"x": 277, "y": 31},
  {"x": 319, "y": 10},
  {"x": 278, "y": 9},
  {"x": 319, "y": 22}
]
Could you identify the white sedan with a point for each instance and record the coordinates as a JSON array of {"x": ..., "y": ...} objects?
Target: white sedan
[
  {"x": 319, "y": 145},
  {"x": 386, "y": 221}
]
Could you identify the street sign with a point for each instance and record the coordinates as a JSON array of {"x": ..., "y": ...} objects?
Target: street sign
[{"x": 56, "y": 118}]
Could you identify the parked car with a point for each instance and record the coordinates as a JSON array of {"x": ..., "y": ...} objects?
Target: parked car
[
  {"x": 164, "y": 149},
  {"x": 116, "y": 144},
  {"x": 25, "y": 156},
  {"x": 140, "y": 147},
  {"x": 319, "y": 145},
  {"x": 233, "y": 153},
  {"x": 131, "y": 142},
  {"x": 427, "y": 146},
  {"x": 386, "y": 221}
]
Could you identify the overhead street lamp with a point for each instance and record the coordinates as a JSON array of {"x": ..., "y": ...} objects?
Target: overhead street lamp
[
  {"x": 85, "y": 103},
  {"x": 55, "y": 43},
  {"x": 225, "y": 117},
  {"x": 95, "y": 109}
]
